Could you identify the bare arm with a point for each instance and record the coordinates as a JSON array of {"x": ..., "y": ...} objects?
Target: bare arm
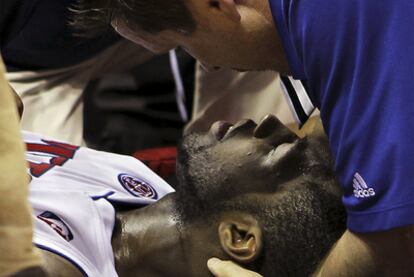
[
  {"x": 17, "y": 252},
  {"x": 389, "y": 253}
]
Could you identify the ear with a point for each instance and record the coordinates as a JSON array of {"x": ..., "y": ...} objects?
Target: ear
[
  {"x": 241, "y": 237},
  {"x": 228, "y": 7}
]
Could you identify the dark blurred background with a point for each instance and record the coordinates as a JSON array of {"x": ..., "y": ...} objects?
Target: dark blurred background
[{"x": 138, "y": 109}]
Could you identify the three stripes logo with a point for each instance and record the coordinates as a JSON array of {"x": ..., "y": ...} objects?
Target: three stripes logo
[{"x": 361, "y": 189}]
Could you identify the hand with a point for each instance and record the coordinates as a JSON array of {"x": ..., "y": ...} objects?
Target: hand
[{"x": 221, "y": 268}]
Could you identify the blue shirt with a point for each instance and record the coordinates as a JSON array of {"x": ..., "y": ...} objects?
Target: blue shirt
[
  {"x": 35, "y": 35},
  {"x": 357, "y": 58}
]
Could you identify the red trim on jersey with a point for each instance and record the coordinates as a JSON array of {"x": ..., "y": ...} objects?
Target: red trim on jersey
[{"x": 59, "y": 153}]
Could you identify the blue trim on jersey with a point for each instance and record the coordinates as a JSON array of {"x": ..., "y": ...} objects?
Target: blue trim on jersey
[
  {"x": 63, "y": 256},
  {"x": 397, "y": 216},
  {"x": 106, "y": 195},
  {"x": 127, "y": 204}
]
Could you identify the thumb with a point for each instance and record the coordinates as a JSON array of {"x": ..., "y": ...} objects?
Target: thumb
[{"x": 221, "y": 268}]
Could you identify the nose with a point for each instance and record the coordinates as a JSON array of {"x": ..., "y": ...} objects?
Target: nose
[
  {"x": 271, "y": 128},
  {"x": 267, "y": 126},
  {"x": 244, "y": 126}
]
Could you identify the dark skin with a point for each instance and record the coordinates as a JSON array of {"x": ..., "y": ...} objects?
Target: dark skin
[
  {"x": 148, "y": 242},
  {"x": 163, "y": 249}
]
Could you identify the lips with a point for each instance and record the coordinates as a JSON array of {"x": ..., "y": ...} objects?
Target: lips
[
  {"x": 220, "y": 128},
  {"x": 269, "y": 129}
]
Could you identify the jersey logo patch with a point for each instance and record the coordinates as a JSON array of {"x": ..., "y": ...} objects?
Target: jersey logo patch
[
  {"x": 137, "y": 187},
  {"x": 361, "y": 189},
  {"x": 56, "y": 224}
]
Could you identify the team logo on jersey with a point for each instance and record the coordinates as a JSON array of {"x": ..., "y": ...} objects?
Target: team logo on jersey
[
  {"x": 137, "y": 187},
  {"x": 361, "y": 189},
  {"x": 56, "y": 224}
]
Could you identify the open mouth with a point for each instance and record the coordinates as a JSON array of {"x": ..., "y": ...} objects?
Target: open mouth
[
  {"x": 282, "y": 149},
  {"x": 270, "y": 129}
]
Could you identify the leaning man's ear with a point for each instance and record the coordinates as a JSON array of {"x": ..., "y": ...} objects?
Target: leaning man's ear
[{"x": 241, "y": 237}]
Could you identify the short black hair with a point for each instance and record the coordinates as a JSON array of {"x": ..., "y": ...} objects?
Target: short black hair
[
  {"x": 93, "y": 17},
  {"x": 299, "y": 227}
]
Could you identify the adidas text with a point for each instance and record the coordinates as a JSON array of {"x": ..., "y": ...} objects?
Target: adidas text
[{"x": 362, "y": 193}]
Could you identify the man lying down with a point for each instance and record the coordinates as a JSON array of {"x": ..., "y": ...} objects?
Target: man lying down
[{"x": 255, "y": 194}]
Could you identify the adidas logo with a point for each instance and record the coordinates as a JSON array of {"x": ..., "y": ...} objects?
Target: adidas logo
[{"x": 361, "y": 189}]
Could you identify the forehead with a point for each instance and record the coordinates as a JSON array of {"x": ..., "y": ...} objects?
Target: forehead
[{"x": 158, "y": 43}]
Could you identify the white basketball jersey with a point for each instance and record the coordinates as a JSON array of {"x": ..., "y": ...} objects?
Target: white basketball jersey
[{"x": 71, "y": 192}]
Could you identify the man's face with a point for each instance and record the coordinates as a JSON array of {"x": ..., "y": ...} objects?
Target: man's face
[
  {"x": 246, "y": 157},
  {"x": 262, "y": 177},
  {"x": 218, "y": 41}
]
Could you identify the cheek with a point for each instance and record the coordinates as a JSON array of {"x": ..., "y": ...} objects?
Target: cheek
[
  {"x": 196, "y": 52},
  {"x": 241, "y": 155},
  {"x": 206, "y": 51},
  {"x": 132, "y": 36},
  {"x": 148, "y": 44}
]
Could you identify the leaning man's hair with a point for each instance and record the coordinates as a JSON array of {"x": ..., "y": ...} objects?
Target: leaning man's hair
[{"x": 93, "y": 17}]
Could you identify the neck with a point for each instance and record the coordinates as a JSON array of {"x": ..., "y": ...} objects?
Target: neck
[
  {"x": 271, "y": 36},
  {"x": 146, "y": 241}
]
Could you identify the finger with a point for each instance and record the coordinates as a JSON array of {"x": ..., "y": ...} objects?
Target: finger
[{"x": 228, "y": 269}]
